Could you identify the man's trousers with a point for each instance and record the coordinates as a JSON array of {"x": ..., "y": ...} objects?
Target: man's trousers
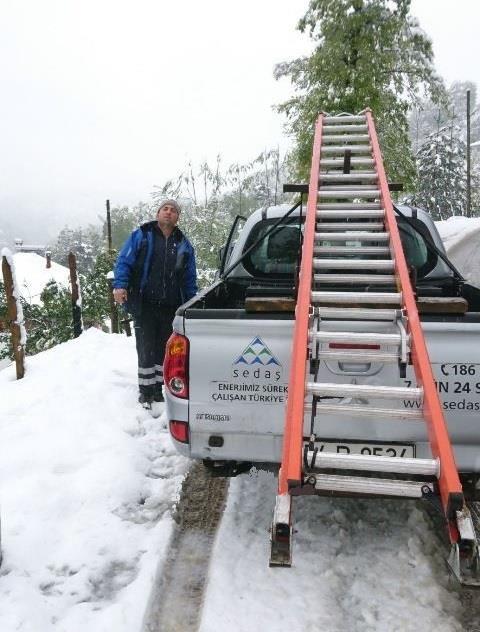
[{"x": 152, "y": 330}]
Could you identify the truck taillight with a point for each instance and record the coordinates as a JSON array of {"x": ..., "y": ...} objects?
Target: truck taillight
[
  {"x": 179, "y": 430},
  {"x": 175, "y": 366}
]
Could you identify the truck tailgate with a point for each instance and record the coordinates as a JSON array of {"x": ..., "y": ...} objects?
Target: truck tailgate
[{"x": 239, "y": 372}]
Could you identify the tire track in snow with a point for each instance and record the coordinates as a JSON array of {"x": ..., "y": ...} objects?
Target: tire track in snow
[
  {"x": 177, "y": 598},
  {"x": 362, "y": 565}
]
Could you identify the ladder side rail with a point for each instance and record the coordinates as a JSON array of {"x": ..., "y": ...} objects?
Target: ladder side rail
[
  {"x": 291, "y": 468},
  {"x": 449, "y": 482}
]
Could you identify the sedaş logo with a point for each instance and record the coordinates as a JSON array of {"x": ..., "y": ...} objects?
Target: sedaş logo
[{"x": 257, "y": 362}]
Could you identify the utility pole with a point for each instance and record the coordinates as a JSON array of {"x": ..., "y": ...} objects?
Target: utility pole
[
  {"x": 109, "y": 227},
  {"x": 468, "y": 213},
  {"x": 115, "y": 327}
]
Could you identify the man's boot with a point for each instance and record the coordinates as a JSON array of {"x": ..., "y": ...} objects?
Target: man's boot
[
  {"x": 158, "y": 394},
  {"x": 145, "y": 400}
]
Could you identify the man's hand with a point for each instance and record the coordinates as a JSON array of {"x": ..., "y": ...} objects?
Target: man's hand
[{"x": 120, "y": 295}]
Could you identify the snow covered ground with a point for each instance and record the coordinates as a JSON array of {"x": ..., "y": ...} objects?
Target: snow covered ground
[
  {"x": 33, "y": 275},
  {"x": 87, "y": 482},
  {"x": 358, "y": 566},
  {"x": 87, "y": 479}
]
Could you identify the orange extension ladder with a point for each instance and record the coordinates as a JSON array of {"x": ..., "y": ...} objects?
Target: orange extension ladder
[{"x": 349, "y": 203}]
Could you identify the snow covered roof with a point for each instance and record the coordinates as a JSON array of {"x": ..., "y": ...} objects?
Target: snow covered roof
[{"x": 33, "y": 275}]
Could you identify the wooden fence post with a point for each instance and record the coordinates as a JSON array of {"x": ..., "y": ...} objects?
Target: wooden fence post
[
  {"x": 76, "y": 305},
  {"x": 12, "y": 316}
]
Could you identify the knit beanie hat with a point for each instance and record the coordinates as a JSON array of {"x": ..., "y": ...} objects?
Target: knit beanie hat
[{"x": 173, "y": 203}]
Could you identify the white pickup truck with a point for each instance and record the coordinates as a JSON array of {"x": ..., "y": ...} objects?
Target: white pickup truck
[{"x": 227, "y": 363}]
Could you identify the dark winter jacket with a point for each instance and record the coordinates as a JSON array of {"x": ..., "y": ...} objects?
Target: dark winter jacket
[{"x": 155, "y": 269}]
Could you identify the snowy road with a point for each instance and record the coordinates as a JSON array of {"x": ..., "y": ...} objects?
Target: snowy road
[{"x": 359, "y": 565}]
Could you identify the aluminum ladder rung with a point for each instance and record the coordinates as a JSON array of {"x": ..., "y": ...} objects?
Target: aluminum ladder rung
[
  {"x": 362, "y": 279},
  {"x": 351, "y": 226},
  {"x": 358, "y": 235},
  {"x": 347, "y": 118},
  {"x": 352, "y": 264},
  {"x": 339, "y": 150},
  {"x": 340, "y": 186},
  {"x": 349, "y": 206},
  {"x": 351, "y": 193},
  {"x": 370, "y": 463},
  {"x": 341, "y": 178},
  {"x": 339, "y": 162},
  {"x": 340, "y": 129},
  {"x": 355, "y": 337},
  {"x": 351, "y": 250},
  {"x": 369, "y": 486},
  {"x": 346, "y": 214},
  {"x": 357, "y": 313},
  {"x": 355, "y": 410},
  {"x": 361, "y": 357},
  {"x": 330, "y": 389},
  {"x": 345, "y": 138},
  {"x": 364, "y": 298}
]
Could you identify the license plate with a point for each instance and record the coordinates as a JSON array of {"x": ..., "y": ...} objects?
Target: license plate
[{"x": 372, "y": 449}]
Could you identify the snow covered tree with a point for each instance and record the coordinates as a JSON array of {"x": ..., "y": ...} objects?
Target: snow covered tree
[
  {"x": 441, "y": 182},
  {"x": 212, "y": 196},
  {"x": 368, "y": 53},
  {"x": 96, "y": 291},
  {"x": 428, "y": 117},
  {"x": 125, "y": 219},
  {"x": 49, "y": 323},
  {"x": 85, "y": 243},
  {"x": 5, "y": 350}
]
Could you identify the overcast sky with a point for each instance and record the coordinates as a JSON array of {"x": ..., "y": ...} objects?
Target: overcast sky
[{"x": 106, "y": 98}]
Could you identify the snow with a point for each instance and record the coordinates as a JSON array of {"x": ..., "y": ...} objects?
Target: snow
[
  {"x": 455, "y": 229},
  {"x": 360, "y": 565},
  {"x": 33, "y": 275},
  {"x": 87, "y": 479}
]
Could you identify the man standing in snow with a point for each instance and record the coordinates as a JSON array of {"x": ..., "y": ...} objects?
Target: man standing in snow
[{"x": 155, "y": 273}]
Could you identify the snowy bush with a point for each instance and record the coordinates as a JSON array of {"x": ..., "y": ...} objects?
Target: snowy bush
[{"x": 96, "y": 291}]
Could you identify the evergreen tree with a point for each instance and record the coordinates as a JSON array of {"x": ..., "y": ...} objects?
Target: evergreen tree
[
  {"x": 49, "y": 323},
  {"x": 441, "y": 185},
  {"x": 85, "y": 243},
  {"x": 96, "y": 292},
  {"x": 368, "y": 53},
  {"x": 125, "y": 219},
  {"x": 428, "y": 117},
  {"x": 5, "y": 350}
]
